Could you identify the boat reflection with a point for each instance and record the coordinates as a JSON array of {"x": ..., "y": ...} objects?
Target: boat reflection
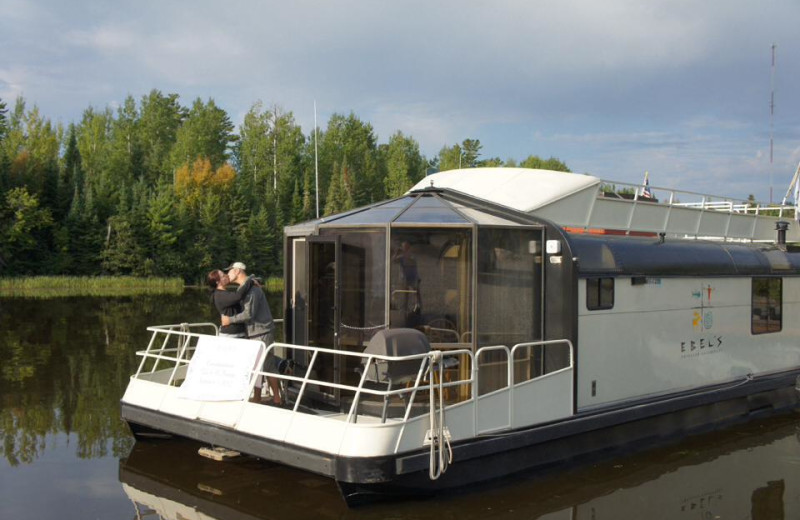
[
  {"x": 168, "y": 479},
  {"x": 752, "y": 471}
]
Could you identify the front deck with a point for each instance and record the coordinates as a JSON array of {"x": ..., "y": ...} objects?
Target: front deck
[{"x": 444, "y": 400}]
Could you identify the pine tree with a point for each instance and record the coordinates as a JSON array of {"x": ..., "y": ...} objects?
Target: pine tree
[
  {"x": 160, "y": 117},
  {"x": 206, "y": 133},
  {"x": 4, "y": 181},
  {"x": 70, "y": 181},
  {"x": 338, "y": 199},
  {"x": 23, "y": 227},
  {"x": 472, "y": 150}
]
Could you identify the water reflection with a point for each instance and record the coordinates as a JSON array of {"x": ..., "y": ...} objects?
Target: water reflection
[
  {"x": 65, "y": 365},
  {"x": 748, "y": 472},
  {"x": 66, "y": 362}
]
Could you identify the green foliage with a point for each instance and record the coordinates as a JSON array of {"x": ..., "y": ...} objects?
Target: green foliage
[
  {"x": 158, "y": 189},
  {"x": 206, "y": 133},
  {"x": 472, "y": 150},
  {"x": 22, "y": 227},
  {"x": 404, "y": 164},
  {"x": 349, "y": 147},
  {"x": 450, "y": 158},
  {"x": 63, "y": 286},
  {"x": 159, "y": 120},
  {"x": 339, "y": 198},
  {"x": 3, "y": 123},
  {"x": 534, "y": 161}
]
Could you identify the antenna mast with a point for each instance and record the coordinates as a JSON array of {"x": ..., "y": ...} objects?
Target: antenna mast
[
  {"x": 316, "y": 162},
  {"x": 771, "y": 117}
]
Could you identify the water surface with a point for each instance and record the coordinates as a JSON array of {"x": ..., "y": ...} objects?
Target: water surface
[{"x": 67, "y": 455}]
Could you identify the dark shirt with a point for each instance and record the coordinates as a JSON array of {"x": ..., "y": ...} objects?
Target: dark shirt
[{"x": 228, "y": 303}]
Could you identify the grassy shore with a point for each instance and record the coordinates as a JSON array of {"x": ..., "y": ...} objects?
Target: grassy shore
[
  {"x": 273, "y": 285},
  {"x": 55, "y": 286}
]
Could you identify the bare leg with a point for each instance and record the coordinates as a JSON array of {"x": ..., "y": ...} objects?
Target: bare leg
[
  {"x": 256, "y": 397},
  {"x": 274, "y": 385}
]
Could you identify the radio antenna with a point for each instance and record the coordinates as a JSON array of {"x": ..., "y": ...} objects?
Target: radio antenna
[{"x": 771, "y": 118}]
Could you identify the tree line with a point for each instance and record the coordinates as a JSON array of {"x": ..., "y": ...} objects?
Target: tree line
[{"x": 156, "y": 188}]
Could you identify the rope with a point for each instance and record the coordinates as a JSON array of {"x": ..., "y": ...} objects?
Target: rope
[
  {"x": 439, "y": 441},
  {"x": 363, "y": 329}
]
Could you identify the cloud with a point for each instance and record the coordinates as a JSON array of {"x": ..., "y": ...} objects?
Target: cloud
[
  {"x": 613, "y": 87},
  {"x": 109, "y": 39}
]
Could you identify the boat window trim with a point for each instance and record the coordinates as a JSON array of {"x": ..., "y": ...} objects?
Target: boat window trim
[
  {"x": 773, "y": 324},
  {"x": 599, "y": 303}
]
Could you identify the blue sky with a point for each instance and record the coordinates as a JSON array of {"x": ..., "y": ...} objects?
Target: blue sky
[{"x": 613, "y": 88}]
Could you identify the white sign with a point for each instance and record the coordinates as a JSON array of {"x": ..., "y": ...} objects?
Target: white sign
[{"x": 220, "y": 369}]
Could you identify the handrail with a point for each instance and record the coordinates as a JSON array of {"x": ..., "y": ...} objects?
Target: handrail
[
  {"x": 181, "y": 358},
  {"x": 431, "y": 364},
  {"x": 424, "y": 380},
  {"x": 745, "y": 220}
]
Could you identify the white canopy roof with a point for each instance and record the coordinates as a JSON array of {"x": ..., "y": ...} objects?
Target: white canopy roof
[
  {"x": 518, "y": 188},
  {"x": 577, "y": 201}
]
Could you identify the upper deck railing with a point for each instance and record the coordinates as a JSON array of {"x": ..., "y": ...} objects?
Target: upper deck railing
[{"x": 623, "y": 208}]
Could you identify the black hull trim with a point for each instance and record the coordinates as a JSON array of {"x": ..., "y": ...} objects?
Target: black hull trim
[{"x": 635, "y": 426}]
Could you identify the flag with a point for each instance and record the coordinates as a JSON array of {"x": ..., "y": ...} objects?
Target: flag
[{"x": 646, "y": 193}]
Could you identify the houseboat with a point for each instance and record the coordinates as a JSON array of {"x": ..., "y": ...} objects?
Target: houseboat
[{"x": 491, "y": 321}]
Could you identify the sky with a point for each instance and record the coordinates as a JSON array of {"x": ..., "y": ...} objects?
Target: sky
[{"x": 680, "y": 89}]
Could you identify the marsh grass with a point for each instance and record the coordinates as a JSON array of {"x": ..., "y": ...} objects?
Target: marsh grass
[
  {"x": 274, "y": 285},
  {"x": 62, "y": 286}
]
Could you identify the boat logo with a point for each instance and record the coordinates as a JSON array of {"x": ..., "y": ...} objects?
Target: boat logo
[
  {"x": 702, "y": 319},
  {"x": 701, "y": 346},
  {"x": 707, "y": 289}
]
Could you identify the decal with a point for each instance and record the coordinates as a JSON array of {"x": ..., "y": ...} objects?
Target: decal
[
  {"x": 708, "y": 320},
  {"x": 702, "y": 317},
  {"x": 701, "y": 346},
  {"x": 704, "y": 504}
]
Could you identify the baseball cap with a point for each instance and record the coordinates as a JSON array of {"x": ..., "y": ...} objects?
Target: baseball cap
[{"x": 236, "y": 265}]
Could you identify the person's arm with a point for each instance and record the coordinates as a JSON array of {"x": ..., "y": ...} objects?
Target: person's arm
[
  {"x": 247, "y": 310},
  {"x": 224, "y": 299}
]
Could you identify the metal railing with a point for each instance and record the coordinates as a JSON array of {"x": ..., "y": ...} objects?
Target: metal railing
[
  {"x": 175, "y": 344},
  {"x": 679, "y": 213},
  {"x": 181, "y": 336}
]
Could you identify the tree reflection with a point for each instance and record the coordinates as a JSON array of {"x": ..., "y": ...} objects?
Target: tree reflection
[{"x": 66, "y": 363}]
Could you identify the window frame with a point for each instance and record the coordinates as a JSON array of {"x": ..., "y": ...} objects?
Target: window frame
[
  {"x": 596, "y": 283},
  {"x": 770, "y": 323}
]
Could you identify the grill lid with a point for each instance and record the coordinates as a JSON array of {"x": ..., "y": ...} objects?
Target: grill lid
[{"x": 396, "y": 342}]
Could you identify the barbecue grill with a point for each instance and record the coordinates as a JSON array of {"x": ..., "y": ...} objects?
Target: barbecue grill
[{"x": 395, "y": 342}]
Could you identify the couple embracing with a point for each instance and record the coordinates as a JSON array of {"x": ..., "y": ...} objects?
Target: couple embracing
[{"x": 245, "y": 314}]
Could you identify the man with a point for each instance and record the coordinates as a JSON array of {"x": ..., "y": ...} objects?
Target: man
[{"x": 258, "y": 319}]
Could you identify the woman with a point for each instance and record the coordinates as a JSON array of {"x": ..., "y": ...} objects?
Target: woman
[{"x": 228, "y": 303}]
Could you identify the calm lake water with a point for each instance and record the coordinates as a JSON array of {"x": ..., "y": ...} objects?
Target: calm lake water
[{"x": 64, "y": 364}]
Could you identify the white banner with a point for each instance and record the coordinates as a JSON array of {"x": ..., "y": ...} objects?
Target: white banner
[{"x": 220, "y": 369}]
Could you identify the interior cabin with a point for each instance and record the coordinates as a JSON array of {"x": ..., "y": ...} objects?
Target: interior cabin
[
  {"x": 466, "y": 273},
  {"x": 474, "y": 271}
]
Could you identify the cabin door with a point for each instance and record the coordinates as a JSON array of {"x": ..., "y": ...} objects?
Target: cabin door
[
  {"x": 323, "y": 306},
  {"x": 299, "y": 292}
]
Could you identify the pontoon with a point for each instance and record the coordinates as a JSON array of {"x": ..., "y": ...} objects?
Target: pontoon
[{"x": 495, "y": 320}]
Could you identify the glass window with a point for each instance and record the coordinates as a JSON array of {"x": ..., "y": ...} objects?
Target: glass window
[
  {"x": 362, "y": 286},
  {"x": 599, "y": 293},
  {"x": 766, "y": 305},
  {"x": 429, "y": 210},
  {"x": 431, "y": 277},
  {"x": 378, "y": 214},
  {"x": 509, "y": 302}
]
